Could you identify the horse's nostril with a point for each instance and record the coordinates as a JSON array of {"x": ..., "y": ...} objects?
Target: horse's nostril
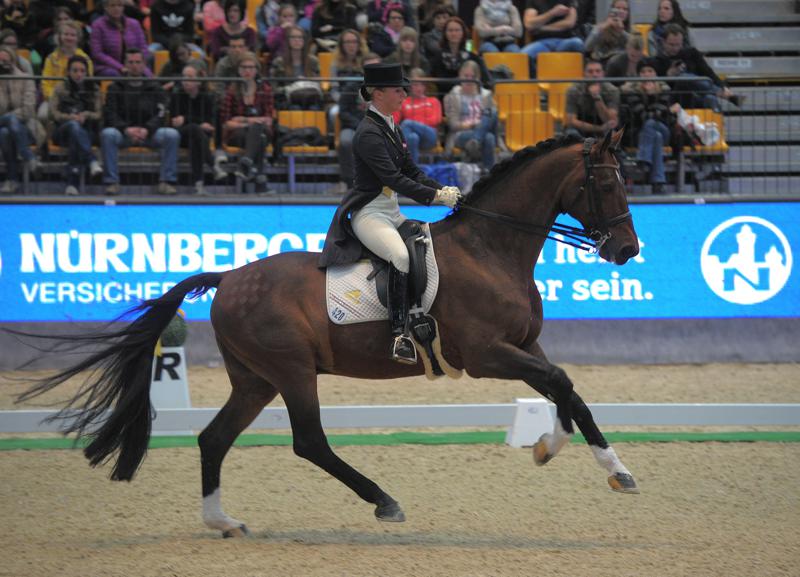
[{"x": 628, "y": 251}]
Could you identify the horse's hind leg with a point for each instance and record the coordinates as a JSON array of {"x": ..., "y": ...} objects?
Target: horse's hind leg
[
  {"x": 310, "y": 443},
  {"x": 249, "y": 395}
]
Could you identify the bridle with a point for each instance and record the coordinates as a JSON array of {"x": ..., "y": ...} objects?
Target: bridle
[{"x": 590, "y": 239}]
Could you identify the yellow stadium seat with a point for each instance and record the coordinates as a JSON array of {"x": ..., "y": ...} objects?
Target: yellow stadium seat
[
  {"x": 527, "y": 127},
  {"x": 160, "y": 58},
  {"x": 304, "y": 119},
  {"x": 516, "y": 61},
  {"x": 644, "y": 30},
  {"x": 515, "y": 96},
  {"x": 706, "y": 115},
  {"x": 251, "y": 11},
  {"x": 325, "y": 62},
  {"x": 558, "y": 66}
]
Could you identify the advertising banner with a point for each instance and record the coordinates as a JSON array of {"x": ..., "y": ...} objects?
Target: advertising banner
[{"x": 92, "y": 262}]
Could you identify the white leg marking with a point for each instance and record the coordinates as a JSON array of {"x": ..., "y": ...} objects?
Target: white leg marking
[
  {"x": 609, "y": 461},
  {"x": 213, "y": 515},
  {"x": 556, "y": 441}
]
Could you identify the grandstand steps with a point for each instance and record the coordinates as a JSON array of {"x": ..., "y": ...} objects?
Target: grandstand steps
[
  {"x": 744, "y": 12},
  {"x": 764, "y": 185},
  {"x": 758, "y": 129},
  {"x": 740, "y": 67},
  {"x": 746, "y": 40},
  {"x": 775, "y": 158}
]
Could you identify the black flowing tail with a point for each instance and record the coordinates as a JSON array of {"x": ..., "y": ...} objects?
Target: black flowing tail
[{"x": 120, "y": 380}]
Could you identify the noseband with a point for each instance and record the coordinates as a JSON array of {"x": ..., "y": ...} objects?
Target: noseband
[{"x": 591, "y": 238}]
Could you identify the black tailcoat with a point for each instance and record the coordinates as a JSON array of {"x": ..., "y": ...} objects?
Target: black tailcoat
[{"x": 381, "y": 160}]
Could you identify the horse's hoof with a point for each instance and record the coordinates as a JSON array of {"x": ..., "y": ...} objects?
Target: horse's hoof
[
  {"x": 541, "y": 455},
  {"x": 390, "y": 513},
  {"x": 623, "y": 483},
  {"x": 236, "y": 532}
]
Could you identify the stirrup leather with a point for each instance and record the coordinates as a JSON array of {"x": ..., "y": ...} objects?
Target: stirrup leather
[{"x": 403, "y": 350}]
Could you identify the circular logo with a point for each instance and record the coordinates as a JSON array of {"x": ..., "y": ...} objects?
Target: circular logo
[{"x": 746, "y": 260}]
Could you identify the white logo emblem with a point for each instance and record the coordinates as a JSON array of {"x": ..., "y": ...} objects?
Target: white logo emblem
[{"x": 746, "y": 260}]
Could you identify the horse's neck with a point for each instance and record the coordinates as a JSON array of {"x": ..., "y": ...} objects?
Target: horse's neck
[{"x": 531, "y": 196}]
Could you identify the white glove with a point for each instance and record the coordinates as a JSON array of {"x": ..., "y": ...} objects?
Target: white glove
[{"x": 448, "y": 195}]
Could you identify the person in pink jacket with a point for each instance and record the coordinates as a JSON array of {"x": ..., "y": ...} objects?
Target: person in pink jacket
[
  {"x": 111, "y": 36},
  {"x": 419, "y": 117}
]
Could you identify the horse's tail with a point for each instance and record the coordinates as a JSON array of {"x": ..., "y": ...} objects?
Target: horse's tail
[{"x": 120, "y": 380}]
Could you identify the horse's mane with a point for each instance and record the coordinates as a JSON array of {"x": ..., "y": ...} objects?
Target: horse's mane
[{"x": 503, "y": 169}]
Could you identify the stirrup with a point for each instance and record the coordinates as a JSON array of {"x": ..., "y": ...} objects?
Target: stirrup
[{"x": 404, "y": 351}]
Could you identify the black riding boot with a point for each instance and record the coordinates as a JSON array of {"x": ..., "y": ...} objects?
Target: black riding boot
[{"x": 403, "y": 350}]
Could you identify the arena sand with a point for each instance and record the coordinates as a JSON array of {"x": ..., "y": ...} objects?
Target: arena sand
[{"x": 713, "y": 509}]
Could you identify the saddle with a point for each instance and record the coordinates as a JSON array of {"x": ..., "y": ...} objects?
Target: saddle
[{"x": 421, "y": 326}]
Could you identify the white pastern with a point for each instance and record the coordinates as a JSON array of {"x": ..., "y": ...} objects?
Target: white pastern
[
  {"x": 557, "y": 439},
  {"x": 609, "y": 461},
  {"x": 213, "y": 515}
]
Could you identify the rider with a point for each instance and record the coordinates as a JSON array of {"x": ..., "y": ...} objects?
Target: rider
[{"x": 370, "y": 212}]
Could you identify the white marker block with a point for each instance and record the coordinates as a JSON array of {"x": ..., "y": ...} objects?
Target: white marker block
[
  {"x": 169, "y": 388},
  {"x": 532, "y": 419}
]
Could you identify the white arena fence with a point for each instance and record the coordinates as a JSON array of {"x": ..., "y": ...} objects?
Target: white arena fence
[{"x": 508, "y": 415}]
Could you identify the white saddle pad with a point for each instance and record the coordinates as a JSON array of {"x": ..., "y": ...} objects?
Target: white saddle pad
[{"x": 351, "y": 298}]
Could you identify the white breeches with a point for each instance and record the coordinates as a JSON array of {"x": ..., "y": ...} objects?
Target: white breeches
[{"x": 376, "y": 225}]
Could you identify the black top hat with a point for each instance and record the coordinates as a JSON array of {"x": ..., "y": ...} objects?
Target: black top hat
[{"x": 383, "y": 76}]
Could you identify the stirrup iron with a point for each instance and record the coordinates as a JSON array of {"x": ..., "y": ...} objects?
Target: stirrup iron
[{"x": 404, "y": 351}]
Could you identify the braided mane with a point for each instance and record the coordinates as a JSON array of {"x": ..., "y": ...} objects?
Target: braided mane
[{"x": 502, "y": 170}]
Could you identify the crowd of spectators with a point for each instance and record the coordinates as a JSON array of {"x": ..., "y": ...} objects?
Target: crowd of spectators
[{"x": 272, "y": 59}]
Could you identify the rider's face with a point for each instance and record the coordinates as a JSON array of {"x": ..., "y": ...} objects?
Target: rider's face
[{"x": 391, "y": 98}]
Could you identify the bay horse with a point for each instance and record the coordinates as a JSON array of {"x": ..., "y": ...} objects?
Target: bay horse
[{"x": 273, "y": 331}]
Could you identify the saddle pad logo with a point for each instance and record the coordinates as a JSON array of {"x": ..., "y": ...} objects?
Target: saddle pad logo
[
  {"x": 746, "y": 260},
  {"x": 354, "y": 296}
]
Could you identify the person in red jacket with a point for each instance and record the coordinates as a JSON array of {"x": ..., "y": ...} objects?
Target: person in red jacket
[{"x": 419, "y": 117}]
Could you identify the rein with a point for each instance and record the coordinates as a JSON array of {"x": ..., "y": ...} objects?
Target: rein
[{"x": 588, "y": 239}]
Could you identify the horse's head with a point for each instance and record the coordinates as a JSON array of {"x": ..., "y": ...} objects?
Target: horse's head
[{"x": 596, "y": 197}]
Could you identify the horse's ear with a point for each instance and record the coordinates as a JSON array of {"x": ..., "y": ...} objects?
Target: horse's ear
[
  {"x": 605, "y": 144},
  {"x": 617, "y": 138}
]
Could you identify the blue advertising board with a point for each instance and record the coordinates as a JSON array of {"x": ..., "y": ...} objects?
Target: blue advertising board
[{"x": 92, "y": 262}]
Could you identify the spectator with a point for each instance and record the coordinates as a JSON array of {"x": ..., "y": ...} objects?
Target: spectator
[
  {"x": 419, "y": 117},
  {"x": 688, "y": 64},
  {"x": 76, "y": 112},
  {"x": 623, "y": 8},
  {"x": 234, "y": 25},
  {"x": 625, "y": 64},
  {"x": 650, "y": 119},
  {"x": 383, "y": 39},
  {"x": 608, "y": 38},
  {"x": 378, "y": 11},
  {"x": 431, "y": 41},
  {"x": 17, "y": 110},
  {"x": 454, "y": 54},
  {"x": 192, "y": 115},
  {"x": 17, "y": 17},
  {"x": 407, "y": 53},
  {"x": 68, "y": 41},
  {"x": 592, "y": 107},
  {"x": 169, "y": 18},
  {"x": 329, "y": 19},
  {"x": 213, "y": 16},
  {"x": 247, "y": 118},
  {"x": 180, "y": 55},
  {"x": 348, "y": 61},
  {"x": 351, "y": 110},
  {"x": 426, "y": 10},
  {"x": 471, "y": 117},
  {"x": 276, "y": 35},
  {"x": 9, "y": 40},
  {"x": 268, "y": 16},
  {"x": 669, "y": 12},
  {"x": 228, "y": 65},
  {"x": 295, "y": 67},
  {"x": 499, "y": 26},
  {"x": 551, "y": 24},
  {"x": 112, "y": 35},
  {"x": 47, "y": 39},
  {"x": 134, "y": 115}
]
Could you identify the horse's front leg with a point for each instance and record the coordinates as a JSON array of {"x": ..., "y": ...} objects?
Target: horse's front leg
[{"x": 552, "y": 382}]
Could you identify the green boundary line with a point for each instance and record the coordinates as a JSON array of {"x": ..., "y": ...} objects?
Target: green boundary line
[{"x": 409, "y": 438}]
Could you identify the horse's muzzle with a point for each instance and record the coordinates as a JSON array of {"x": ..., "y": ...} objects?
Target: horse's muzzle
[{"x": 624, "y": 254}]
